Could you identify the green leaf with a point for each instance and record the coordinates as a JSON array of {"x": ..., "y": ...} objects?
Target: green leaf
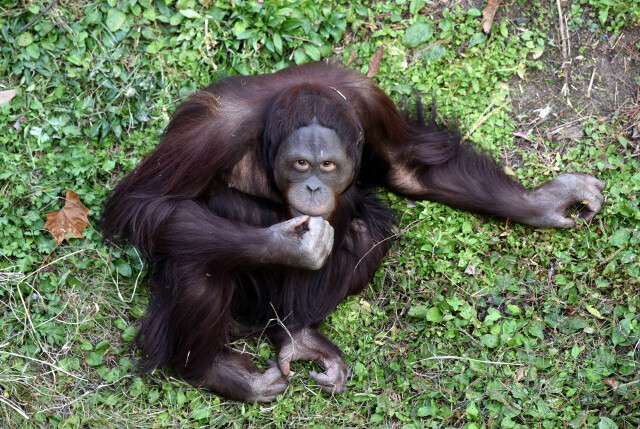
[
  {"x": 201, "y": 413},
  {"x": 109, "y": 165},
  {"x": 418, "y": 311},
  {"x": 24, "y": 39},
  {"x": 277, "y": 42},
  {"x": 191, "y": 14},
  {"x": 454, "y": 302},
  {"x": 477, "y": 38},
  {"x": 492, "y": 316},
  {"x": 620, "y": 237},
  {"x": 513, "y": 309},
  {"x": 489, "y": 340},
  {"x": 123, "y": 268},
  {"x": 33, "y": 50},
  {"x": 418, "y": 33},
  {"x": 434, "y": 315},
  {"x": 94, "y": 359},
  {"x": 536, "y": 332},
  {"x": 376, "y": 418},
  {"x": 434, "y": 53},
  {"x": 607, "y": 423},
  {"x": 154, "y": 47},
  {"x": 129, "y": 333},
  {"x": 136, "y": 387},
  {"x": 472, "y": 411},
  {"x": 312, "y": 51},
  {"x": 115, "y": 19},
  {"x": 176, "y": 19},
  {"x": 300, "y": 57},
  {"x": 467, "y": 312},
  {"x": 594, "y": 312},
  {"x": 507, "y": 423}
]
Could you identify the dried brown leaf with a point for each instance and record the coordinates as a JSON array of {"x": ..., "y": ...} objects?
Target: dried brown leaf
[
  {"x": 7, "y": 95},
  {"x": 612, "y": 383},
  {"x": 520, "y": 374},
  {"x": 71, "y": 219},
  {"x": 488, "y": 13},
  {"x": 374, "y": 62}
]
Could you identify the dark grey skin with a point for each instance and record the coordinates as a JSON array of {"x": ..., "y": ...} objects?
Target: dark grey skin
[
  {"x": 309, "y": 345},
  {"x": 311, "y": 169},
  {"x": 555, "y": 196}
]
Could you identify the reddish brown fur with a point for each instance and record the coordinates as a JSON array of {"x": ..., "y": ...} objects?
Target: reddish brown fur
[{"x": 199, "y": 219}]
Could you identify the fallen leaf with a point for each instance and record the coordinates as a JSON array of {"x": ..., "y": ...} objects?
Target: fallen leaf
[
  {"x": 612, "y": 383},
  {"x": 488, "y": 13},
  {"x": 594, "y": 312},
  {"x": 71, "y": 219},
  {"x": 471, "y": 269},
  {"x": 7, "y": 96},
  {"x": 520, "y": 374},
  {"x": 374, "y": 62}
]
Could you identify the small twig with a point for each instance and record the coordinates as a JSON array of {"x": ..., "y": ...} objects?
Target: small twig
[
  {"x": 30, "y": 23},
  {"x": 391, "y": 237},
  {"x": 135, "y": 285},
  {"x": 15, "y": 408},
  {"x": 591, "y": 83},
  {"x": 303, "y": 39},
  {"x": 506, "y": 404},
  {"x": 2, "y": 352},
  {"x": 483, "y": 118},
  {"x": 583, "y": 419},
  {"x": 566, "y": 125},
  {"x": 439, "y": 42},
  {"x": 469, "y": 359},
  {"x": 628, "y": 384},
  {"x": 564, "y": 37}
]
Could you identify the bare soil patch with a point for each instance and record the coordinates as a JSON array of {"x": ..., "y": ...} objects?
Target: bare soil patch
[{"x": 604, "y": 73}]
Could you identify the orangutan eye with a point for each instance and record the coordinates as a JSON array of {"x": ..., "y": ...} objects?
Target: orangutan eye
[
  {"x": 328, "y": 166},
  {"x": 301, "y": 165}
]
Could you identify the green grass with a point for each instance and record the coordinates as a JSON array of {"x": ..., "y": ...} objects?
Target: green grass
[{"x": 470, "y": 322}]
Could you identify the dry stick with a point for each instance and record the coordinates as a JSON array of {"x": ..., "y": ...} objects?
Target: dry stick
[
  {"x": 483, "y": 118},
  {"x": 41, "y": 362},
  {"x": 391, "y": 237},
  {"x": 591, "y": 83},
  {"x": 631, "y": 383},
  {"x": 302, "y": 38},
  {"x": 470, "y": 360},
  {"x": 506, "y": 404},
  {"x": 15, "y": 408},
  {"x": 564, "y": 37},
  {"x": 37, "y": 16}
]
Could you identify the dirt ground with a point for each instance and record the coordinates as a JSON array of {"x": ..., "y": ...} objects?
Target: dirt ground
[
  {"x": 602, "y": 83},
  {"x": 603, "y": 77}
]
